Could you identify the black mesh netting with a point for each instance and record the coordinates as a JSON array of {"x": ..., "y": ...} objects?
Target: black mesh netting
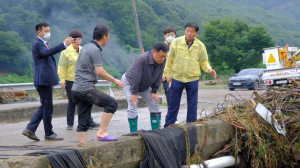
[
  {"x": 67, "y": 158},
  {"x": 167, "y": 147}
]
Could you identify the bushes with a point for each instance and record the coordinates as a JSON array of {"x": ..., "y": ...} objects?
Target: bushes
[{"x": 14, "y": 78}]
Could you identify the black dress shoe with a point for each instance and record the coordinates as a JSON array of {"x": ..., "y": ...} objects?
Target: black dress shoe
[
  {"x": 30, "y": 134},
  {"x": 53, "y": 137}
]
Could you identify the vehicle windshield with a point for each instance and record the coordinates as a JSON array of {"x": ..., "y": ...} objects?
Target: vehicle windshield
[{"x": 248, "y": 72}]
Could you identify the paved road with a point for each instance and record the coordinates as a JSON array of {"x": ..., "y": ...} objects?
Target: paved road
[{"x": 13, "y": 143}]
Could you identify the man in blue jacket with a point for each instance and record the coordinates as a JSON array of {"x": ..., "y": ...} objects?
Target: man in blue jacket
[{"x": 45, "y": 78}]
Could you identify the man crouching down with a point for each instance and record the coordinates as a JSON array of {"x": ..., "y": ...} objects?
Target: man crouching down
[
  {"x": 143, "y": 79},
  {"x": 88, "y": 66}
]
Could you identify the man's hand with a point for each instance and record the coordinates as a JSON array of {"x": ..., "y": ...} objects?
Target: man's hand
[
  {"x": 69, "y": 40},
  {"x": 63, "y": 85},
  {"x": 164, "y": 78},
  {"x": 134, "y": 99},
  {"x": 119, "y": 83},
  {"x": 212, "y": 72},
  {"x": 154, "y": 96},
  {"x": 53, "y": 86},
  {"x": 169, "y": 79}
]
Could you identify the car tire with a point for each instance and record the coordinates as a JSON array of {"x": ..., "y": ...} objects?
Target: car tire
[
  {"x": 255, "y": 86},
  {"x": 232, "y": 89}
]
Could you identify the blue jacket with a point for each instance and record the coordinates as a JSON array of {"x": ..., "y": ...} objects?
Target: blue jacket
[{"x": 45, "y": 73}]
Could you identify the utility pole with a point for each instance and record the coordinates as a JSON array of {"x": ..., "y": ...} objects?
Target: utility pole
[{"x": 137, "y": 26}]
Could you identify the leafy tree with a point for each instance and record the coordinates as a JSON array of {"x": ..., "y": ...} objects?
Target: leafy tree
[
  {"x": 120, "y": 14},
  {"x": 277, "y": 17},
  {"x": 233, "y": 44},
  {"x": 20, "y": 20},
  {"x": 14, "y": 55}
]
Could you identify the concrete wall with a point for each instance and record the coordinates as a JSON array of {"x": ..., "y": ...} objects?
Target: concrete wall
[
  {"x": 127, "y": 151},
  {"x": 23, "y": 112}
]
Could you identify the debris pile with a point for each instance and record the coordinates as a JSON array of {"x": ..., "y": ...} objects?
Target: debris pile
[
  {"x": 210, "y": 83},
  {"x": 12, "y": 95},
  {"x": 267, "y": 127}
]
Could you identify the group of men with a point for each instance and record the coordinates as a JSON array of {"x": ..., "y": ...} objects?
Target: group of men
[{"x": 176, "y": 63}]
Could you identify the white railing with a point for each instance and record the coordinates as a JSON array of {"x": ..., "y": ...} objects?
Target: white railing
[{"x": 30, "y": 86}]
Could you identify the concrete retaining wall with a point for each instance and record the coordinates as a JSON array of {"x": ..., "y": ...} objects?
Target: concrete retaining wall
[
  {"x": 23, "y": 112},
  {"x": 127, "y": 151}
]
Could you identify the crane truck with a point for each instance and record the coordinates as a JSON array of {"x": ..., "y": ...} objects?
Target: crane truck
[{"x": 280, "y": 65}]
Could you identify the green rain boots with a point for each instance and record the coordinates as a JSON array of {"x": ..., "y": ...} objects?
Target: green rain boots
[
  {"x": 133, "y": 123},
  {"x": 155, "y": 120}
]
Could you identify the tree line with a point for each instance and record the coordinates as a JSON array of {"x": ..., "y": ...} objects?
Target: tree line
[{"x": 234, "y": 32}]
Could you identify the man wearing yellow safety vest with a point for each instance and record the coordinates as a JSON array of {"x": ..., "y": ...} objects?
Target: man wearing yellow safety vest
[{"x": 186, "y": 56}]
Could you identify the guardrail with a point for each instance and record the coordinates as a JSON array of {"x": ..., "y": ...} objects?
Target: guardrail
[{"x": 30, "y": 86}]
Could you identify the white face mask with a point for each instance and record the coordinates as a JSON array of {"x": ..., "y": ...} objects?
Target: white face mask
[
  {"x": 169, "y": 39},
  {"x": 46, "y": 36}
]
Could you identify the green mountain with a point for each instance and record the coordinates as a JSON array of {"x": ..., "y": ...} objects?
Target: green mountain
[{"x": 18, "y": 18}]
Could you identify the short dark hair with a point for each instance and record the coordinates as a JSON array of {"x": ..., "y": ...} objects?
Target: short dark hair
[
  {"x": 161, "y": 46},
  {"x": 39, "y": 26},
  {"x": 194, "y": 25},
  {"x": 75, "y": 34},
  {"x": 169, "y": 29},
  {"x": 100, "y": 31}
]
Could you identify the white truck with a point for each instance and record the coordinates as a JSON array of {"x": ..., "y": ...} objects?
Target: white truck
[{"x": 280, "y": 65}]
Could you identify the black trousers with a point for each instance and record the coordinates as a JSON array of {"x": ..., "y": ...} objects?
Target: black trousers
[
  {"x": 85, "y": 101},
  {"x": 167, "y": 91},
  {"x": 72, "y": 105},
  {"x": 44, "y": 112}
]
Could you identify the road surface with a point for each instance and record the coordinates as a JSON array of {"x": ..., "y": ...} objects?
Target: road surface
[{"x": 13, "y": 143}]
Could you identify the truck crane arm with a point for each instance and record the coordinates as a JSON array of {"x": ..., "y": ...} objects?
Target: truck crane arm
[
  {"x": 276, "y": 72},
  {"x": 294, "y": 58},
  {"x": 289, "y": 62}
]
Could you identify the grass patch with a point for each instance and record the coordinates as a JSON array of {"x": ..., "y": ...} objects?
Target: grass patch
[
  {"x": 14, "y": 78},
  {"x": 163, "y": 104},
  {"x": 213, "y": 86}
]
